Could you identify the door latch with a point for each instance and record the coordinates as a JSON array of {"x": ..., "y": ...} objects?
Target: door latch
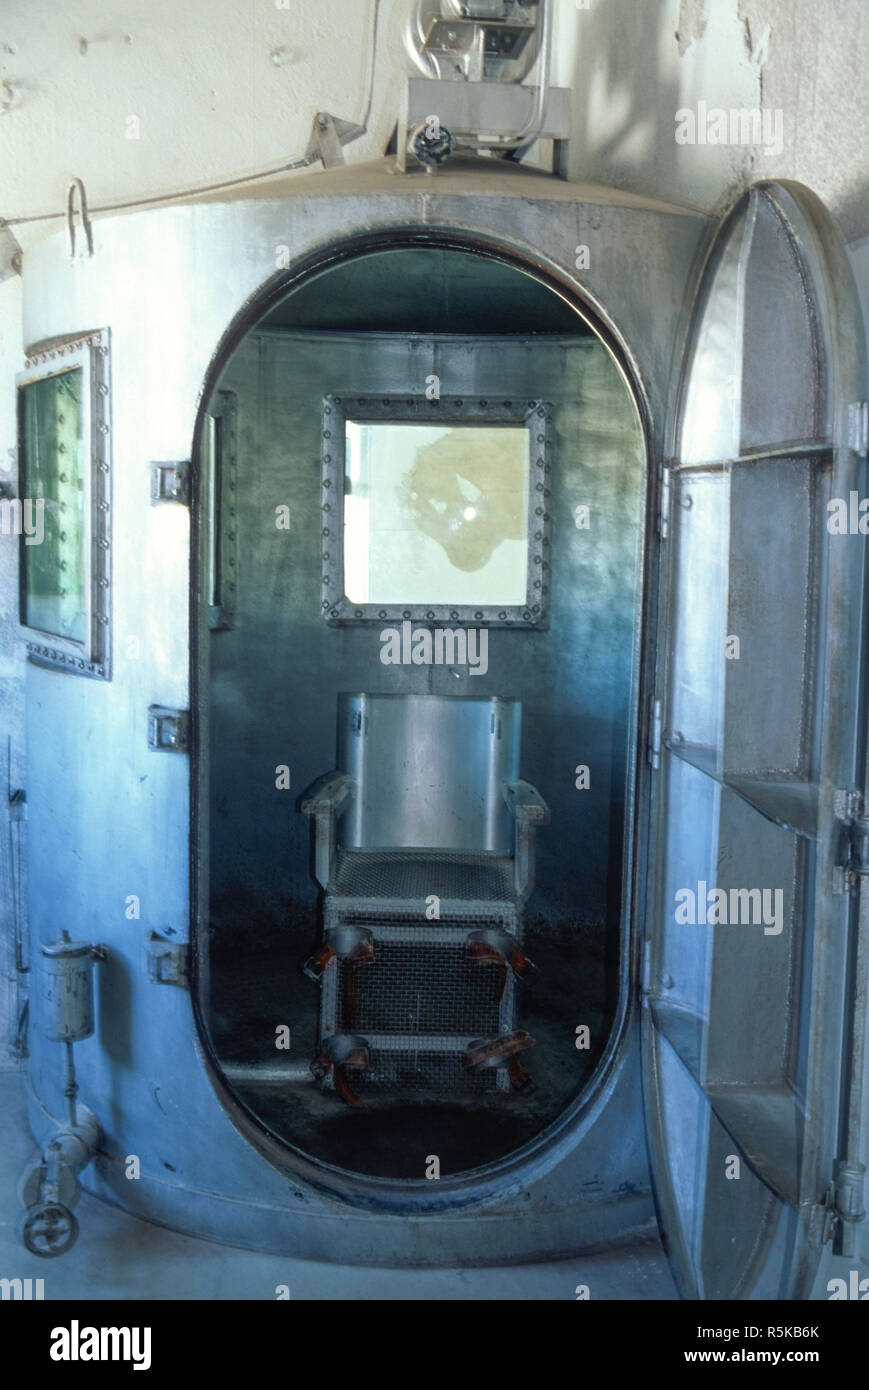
[
  {"x": 170, "y": 482},
  {"x": 840, "y": 1211},
  {"x": 167, "y": 960},
  {"x": 168, "y": 729},
  {"x": 666, "y": 503},
  {"x": 854, "y": 841},
  {"x": 858, "y": 427},
  {"x": 656, "y": 722}
]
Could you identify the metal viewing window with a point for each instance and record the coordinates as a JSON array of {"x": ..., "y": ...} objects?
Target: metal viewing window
[
  {"x": 63, "y": 504},
  {"x": 435, "y": 510}
]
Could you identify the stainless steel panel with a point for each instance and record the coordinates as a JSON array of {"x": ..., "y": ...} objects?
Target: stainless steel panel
[
  {"x": 745, "y": 1037},
  {"x": 494, "y": 109},
  {"x": 429, "y": 770},
  {"x": 701, "y": 565},
  {"x": 168, "y": 283},
  {"x": 777, "y": 523},
  {"x": 782, "y": 390}
]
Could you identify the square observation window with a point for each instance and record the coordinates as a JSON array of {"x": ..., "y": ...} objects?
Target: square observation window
[
  {"x": 435, "y": 510},
  {"x": 63, "y": 504}
]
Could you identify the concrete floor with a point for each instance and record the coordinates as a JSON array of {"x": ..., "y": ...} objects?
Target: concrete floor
[{"x": 118, "y": 1257}]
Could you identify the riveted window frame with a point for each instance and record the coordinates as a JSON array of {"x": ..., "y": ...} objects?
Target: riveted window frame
[
  {"x": 535, "y": 415},
  {"x": 91, "y": 353}
]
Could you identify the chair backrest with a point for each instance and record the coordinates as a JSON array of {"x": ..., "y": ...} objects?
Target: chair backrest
[{"x": 429, "y": 770}]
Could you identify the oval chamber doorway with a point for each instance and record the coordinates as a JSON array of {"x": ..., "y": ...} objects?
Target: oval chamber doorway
[{"x": 446, "y": 440}]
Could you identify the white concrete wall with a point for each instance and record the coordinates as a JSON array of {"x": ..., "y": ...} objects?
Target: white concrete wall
[
  {"x": 634, "y": 63},
  {"x": 220, "y": 88}
]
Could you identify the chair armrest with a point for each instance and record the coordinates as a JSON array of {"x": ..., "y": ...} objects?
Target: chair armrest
[
  {"x": 528, "y": 810},
  {"x": 525, "y": 802},
  {"x": 327, "y": 794},
  {"x": 324, "y": 800}
]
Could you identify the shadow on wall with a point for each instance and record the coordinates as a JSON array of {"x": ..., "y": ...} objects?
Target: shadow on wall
[{"x": 633, "y": 67}]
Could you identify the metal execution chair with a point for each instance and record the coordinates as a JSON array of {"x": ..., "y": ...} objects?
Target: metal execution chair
[{"x": 424, "y": 847}]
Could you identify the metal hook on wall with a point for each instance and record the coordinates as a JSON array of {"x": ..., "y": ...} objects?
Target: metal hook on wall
[{"x": 83, "y": 213}]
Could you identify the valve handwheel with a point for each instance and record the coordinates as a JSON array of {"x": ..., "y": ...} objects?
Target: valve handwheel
[
  {"x": 49, "y": 1229},
  {"x": 431, "y": 146}
]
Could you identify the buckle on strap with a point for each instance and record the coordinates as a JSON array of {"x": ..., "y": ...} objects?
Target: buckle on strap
[
  {"x": 339, "y": 1055},
  {"x": 502, "y": 1051},
  {"x": 316, "y": 964},
  {"x": 351, "y": 943}
]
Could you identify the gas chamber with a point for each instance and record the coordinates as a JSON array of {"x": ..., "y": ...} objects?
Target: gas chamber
[{"x": 378, "y": 706}]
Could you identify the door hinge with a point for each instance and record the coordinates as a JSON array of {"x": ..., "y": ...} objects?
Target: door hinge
[
  {"x": 858, "y": 427},
  {"x": 170, "y": 482},
  {"x": 655, "y": 730},
  {"x": 646, "y": 972},
  {"x": 823, "y": 1219},
  {"x": 168, "y": 729},
  {"x": 840, "y": 1210},
  {"x": 167, "y": 960},
  {"x": 853, "y": 862},
  {"x": 666, "y": 503}
]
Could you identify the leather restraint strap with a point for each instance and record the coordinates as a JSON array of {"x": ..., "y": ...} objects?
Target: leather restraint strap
[
  {"x": 339, "y": 1055},
  {"x": 485, "y": 953},
  {"x": 315, "y": 965},
  {"x": 503, "y": 1051}
]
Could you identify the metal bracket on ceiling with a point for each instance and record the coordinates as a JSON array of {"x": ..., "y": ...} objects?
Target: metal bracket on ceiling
[
  {"x": 474, "y": 111},
  {"x": 78, "y": 186},
  {"x": 328, "y": 134},
  {"x": 10, "y": 252}
]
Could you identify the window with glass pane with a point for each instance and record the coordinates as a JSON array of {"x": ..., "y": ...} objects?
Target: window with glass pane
[
  {"x": 53, "y": 470},
  {"x": 436, "y": 510},
  {"x": 436, "y": 514}
]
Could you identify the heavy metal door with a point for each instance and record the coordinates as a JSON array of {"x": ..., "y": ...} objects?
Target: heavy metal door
[{"x": 753, "y": 952}]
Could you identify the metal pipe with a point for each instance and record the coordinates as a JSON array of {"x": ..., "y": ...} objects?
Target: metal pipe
[
  {"x": 71, "y": 1088},
  {"x": 16, "y": 803},
  {"x": 267, "y": 1073}
]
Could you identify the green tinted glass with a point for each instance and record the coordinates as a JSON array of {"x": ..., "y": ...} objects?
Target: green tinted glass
[{"x": 52, "y": 489}]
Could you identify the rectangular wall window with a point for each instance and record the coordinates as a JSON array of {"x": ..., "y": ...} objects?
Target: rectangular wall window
[
  {"x": 62, "y": 513},
  {"x": 53, "y": 482}
]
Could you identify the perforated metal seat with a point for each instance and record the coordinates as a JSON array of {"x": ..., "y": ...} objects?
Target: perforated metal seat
[{"x": 375, "y": 878}]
